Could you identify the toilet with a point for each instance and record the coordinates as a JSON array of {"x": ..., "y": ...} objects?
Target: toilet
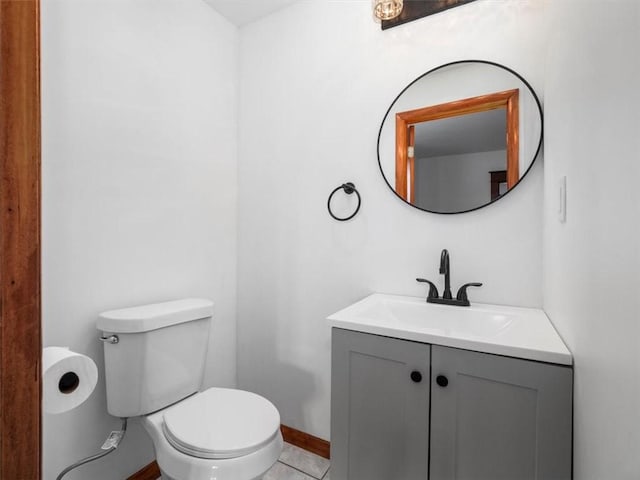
[{"x": 154, "y": 364}]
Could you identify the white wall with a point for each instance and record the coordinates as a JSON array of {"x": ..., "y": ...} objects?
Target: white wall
[
  {"x": 453, "y": 183},
  {"x": 592, "y": 262},
  {"x": 316, "y": 80},
  {"x": 139, "y": 189}
]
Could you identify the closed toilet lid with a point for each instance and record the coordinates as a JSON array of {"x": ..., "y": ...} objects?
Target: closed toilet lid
[{"x": 221, "y": 423}]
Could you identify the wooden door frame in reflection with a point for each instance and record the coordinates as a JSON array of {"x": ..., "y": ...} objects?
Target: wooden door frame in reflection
[{"x": 508, "y": 100}]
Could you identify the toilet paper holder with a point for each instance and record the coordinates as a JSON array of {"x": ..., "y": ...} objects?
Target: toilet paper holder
[{"x": 113, "y": 339}]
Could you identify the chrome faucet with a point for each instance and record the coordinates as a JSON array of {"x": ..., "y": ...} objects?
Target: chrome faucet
[{"x": 461, "y": 300}]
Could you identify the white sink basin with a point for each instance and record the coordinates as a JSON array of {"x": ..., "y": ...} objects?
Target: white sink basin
[{"x": 512, "y": 331}]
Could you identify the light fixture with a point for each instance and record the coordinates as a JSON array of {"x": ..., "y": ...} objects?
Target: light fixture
[{"x": 386, "y": 9}]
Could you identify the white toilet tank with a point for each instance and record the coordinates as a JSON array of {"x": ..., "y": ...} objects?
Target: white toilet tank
[{"x": 159, "y": 356}]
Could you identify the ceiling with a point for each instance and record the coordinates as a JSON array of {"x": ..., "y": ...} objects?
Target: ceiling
[
  {"x": 477, "y": 132},
  {"x": 241, "y": 12}
]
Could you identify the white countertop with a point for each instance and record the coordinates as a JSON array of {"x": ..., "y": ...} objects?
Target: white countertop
[{"x": 512, "y": 331}]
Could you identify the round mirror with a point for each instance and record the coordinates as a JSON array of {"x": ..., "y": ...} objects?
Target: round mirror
[{"x": 460, "y": 137}]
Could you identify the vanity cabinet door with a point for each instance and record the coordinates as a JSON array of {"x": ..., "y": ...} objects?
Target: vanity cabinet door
[
  {"x": 499, "y": 418},
  {"x": 379, "y": 408}
]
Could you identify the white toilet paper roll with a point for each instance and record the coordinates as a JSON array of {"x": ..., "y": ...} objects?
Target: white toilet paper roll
[{"x": 68, "y": 379}]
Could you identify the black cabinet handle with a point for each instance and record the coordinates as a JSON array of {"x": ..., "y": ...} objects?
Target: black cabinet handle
[
  {"x": 416, "y": 376},
  {"x": 442, "y": 380}
]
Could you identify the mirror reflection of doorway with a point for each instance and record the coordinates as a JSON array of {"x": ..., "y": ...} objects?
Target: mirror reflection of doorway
[{"x": 445, "y": 152}]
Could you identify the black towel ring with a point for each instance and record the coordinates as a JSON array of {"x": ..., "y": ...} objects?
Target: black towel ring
[{"x": 348, "y": 188}]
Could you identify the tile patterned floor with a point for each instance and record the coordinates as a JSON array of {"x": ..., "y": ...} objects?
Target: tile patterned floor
[{"x": 298, "y": 464}]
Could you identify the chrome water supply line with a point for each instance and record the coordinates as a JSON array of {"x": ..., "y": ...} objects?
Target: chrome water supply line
[{"x": 110, "y": 444}]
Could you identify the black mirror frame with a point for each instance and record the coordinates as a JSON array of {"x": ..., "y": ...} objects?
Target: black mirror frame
[{"x": 457, "y": 62}]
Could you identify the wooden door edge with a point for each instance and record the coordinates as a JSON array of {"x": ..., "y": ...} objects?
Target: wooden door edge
[{"x": 20, "y": 325}]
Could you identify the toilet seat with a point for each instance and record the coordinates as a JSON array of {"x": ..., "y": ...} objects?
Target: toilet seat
[{"x": 221, "y": 423}]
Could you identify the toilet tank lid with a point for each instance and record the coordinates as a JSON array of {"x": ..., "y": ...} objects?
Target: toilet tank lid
[{"x": 152, "y": 317}]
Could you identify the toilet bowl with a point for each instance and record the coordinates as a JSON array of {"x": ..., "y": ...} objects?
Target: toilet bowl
[
  {"x": 217, "y": 434},
  {"x": 154, "y": 363}
]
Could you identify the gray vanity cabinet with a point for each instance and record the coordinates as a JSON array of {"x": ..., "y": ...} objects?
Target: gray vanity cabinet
[
  {"x": 379, "y": 408},
  {"x": 491, "y": 417},
  {"x": 499, "y": 418}
]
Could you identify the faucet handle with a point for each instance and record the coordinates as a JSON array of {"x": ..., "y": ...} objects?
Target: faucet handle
[
  {"x": 433, "y": 290},
  {"x": 462, "y": 292}
]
